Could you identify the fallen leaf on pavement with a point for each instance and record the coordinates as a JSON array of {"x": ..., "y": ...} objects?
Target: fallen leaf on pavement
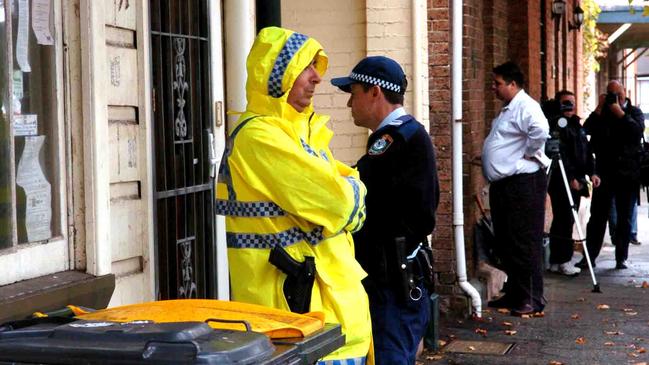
[
  {"x": 581, "y": 299},
  {"x": 434, "y": 357},
  {"x": 631, "y": 313},
  {"x": 471, "y": 348},
  {"x": 580, "y": 341},
  {"x": 507, "y": 324},
  {"x": 633, "y": 354},
  {"x": 554, "y": 362},
  {"x": 613, "y": 332},
  {"x": 641, "y": 350},
  {"x": 538, "y": 314},
  {"x": 510, "y": 332},
  {"x": 645, "y": 285},
  {"x": 575, "y": 316},
  {"x": 481, "y": 331},
  {"x": 503, "y": 310},
  {"x": 609, "y": 343},
  {"x": 640, "y": 363},
  {"x": 603, "y": 306},
  {"x": 441, "y": 343}
]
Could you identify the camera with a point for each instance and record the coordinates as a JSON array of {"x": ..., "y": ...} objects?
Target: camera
[
  {"x": 553, "y": 144},
  {"x": 566, "y": 106},
  {"x": 611, "y": 98}
]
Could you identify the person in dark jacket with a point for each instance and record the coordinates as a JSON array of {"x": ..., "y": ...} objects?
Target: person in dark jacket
[
  {"x": 400, "y": 174},
  {"x": 616, "y": 129},
  {"x": 578, "y": 162}
]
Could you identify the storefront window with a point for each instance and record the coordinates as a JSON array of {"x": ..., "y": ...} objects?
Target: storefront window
[
  {"x": 33, "y": 104},
  {"x": 6, "y": 211}
]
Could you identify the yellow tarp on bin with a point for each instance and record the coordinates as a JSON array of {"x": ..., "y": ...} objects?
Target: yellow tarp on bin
[{"x": 274, "y": 323}]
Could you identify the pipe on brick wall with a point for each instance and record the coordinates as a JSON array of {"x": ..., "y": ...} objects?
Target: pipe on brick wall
[
  {"x": 416, "y": 59},
  {"x": 458, "y": 190}
]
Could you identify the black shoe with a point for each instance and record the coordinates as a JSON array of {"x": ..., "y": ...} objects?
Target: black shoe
[
  {"x": 583, "y": 264},
  {"x": 502, "y": 302},
  {"x": 621, "y": 265},
  {"x": 634, "y": 241},
  {"x": 525, "y": 309}
]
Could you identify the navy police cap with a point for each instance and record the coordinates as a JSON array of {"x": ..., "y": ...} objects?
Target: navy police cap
[{"x": 374, "y": 70}]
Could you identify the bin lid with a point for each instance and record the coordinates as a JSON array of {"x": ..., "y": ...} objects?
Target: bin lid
[
  {"x": 275, "y": 323},
  {"x": 137, "y": 342}
]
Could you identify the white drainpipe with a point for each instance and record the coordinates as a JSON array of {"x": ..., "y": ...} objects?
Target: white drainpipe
[
  {"x": 458, "y": 191},
  {"x": 239, "y": 35},
  {"x": 417, "y": 14}
]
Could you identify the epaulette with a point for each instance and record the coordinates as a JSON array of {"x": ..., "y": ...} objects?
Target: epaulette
[{"x": 408, "y": 127}]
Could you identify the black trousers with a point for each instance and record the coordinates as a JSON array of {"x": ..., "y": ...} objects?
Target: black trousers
[
  {"x": 624, "y": 192},
  {"x": 518, "y": 212},
  {"x": 561, "y": 243}
]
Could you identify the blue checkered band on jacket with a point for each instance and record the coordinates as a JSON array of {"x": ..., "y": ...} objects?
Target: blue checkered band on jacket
[
  {"x": 294, "y": 42},
  {"x": 361, "y": 218},
  {"x": 323, "y": 154},
  {"x": 375, "y": 81},
  {"x": 248, "y": 209},
  {"x": 357, "y": 196},
  {"x": 308, "y": 148},
  {"x": 270, "y": 240},
  {"x": 354, "y": 361}
]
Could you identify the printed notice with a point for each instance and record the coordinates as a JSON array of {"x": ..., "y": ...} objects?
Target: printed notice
[
  {"x": 25, "y": 125},
  {"x": 18, "y": 84},
  {"x": 38, "y": 191},
  {"x": 22, "y": 39},
  {"x": 41, "y": 21}
]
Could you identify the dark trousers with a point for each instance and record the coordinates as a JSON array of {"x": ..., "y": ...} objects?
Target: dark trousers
[
  {"x": 600, "y": 208},
  {"x": 561, "y": 243},
  {"x": 518, "y": 212},
  {"x": 397, "y": 327}
]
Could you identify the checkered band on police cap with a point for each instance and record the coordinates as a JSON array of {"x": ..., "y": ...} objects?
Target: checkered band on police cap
[
  {"x": 375, "y": 70},
  {"x": 375, "y": 81}
]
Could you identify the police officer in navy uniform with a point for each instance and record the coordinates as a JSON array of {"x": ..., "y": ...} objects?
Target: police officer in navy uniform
[{"x": 400, "y": 174}]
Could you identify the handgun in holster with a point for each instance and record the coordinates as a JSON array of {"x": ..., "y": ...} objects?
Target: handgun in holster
[
  {"x": 299, "y": 278},
  {"x": 406, "y": 283}
]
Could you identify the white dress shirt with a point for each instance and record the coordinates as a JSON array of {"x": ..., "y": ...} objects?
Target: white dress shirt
[{"x": 519, "y": 131}]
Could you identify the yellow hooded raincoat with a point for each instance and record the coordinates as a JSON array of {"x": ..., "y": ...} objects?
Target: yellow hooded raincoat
[{"x": 280, "y": 185}]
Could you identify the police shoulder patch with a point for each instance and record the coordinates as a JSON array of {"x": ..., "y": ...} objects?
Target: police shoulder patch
[{"x": 380, "y": 145}]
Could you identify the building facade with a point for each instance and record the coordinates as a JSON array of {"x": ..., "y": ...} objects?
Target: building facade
[{"x": 114, "y": 120}]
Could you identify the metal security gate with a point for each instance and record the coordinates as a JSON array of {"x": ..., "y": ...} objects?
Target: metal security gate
[{"x": 184, "y": 195}]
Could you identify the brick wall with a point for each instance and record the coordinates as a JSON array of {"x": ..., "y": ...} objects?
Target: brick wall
[
  {"x": 494, "y": 31},
  {"x": 440, "y": 128},
  {"x": 340, "y": 26}
]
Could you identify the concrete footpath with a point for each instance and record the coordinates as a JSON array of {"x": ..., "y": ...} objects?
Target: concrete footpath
[{"x": 578, "y": 326}]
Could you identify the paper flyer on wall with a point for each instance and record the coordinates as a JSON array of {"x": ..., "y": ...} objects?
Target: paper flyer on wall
[
  {"x": 22, "y": 39},
  {"x": 41, "y": 21},
  {"x": 38, "y": 191}
]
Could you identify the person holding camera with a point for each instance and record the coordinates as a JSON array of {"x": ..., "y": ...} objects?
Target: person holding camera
[
  {"x": 575, "y": 153},
  {"x": 616, "y": 129}
]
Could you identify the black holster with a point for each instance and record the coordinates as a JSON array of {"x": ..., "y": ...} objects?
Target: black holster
[
  {"x": 415, "y": 273},
  {"x": 300, "y": 277}
]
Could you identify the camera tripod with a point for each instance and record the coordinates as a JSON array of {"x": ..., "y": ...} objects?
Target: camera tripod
[{"x": 556, "y": 161}]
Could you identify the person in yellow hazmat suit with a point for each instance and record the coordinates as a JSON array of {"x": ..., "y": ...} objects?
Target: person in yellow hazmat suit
[{"x": 290, "y": 207}]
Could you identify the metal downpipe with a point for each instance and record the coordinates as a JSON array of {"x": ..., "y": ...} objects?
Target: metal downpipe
[{"x": 458, "y": 191}]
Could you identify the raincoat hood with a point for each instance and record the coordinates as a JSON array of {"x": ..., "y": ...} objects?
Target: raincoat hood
[{"x": 276, "y": 59}]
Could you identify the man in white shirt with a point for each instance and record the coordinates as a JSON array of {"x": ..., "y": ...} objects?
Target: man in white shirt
[{"x": 514, "y": 163}]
